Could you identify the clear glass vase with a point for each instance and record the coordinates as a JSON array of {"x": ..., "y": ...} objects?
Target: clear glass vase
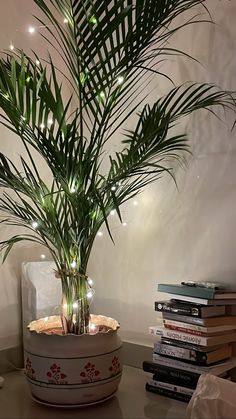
[{"x": 75, "y": 303}]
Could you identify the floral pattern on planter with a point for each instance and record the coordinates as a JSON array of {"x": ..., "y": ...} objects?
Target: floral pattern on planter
[
  {"x": 90, "y": 374},
  {"x": 115, "y": 368},
  {"x": 55, "y": 376},
  {"x": 29, "y": 371}
]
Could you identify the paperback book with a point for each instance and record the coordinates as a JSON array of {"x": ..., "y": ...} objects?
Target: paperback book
[
  {"x": 194, "y": 339},
  {"x": 168, "y": 393},
  {"x": 171, "y": 387},
  {"x": 191, "y": 354},
  {"x": 197, "y": 329},
  {"x": 217, "y": 369},
  {"x": 171, "y": 374}
]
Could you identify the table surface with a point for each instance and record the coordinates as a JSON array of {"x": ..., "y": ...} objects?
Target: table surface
[{"x": 130, "y": 401}]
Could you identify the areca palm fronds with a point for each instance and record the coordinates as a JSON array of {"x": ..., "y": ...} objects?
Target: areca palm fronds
[{"x": 110, "y": 49}]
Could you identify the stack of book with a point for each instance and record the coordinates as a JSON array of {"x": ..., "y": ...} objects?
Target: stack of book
[{"x": 196, "y": 337}]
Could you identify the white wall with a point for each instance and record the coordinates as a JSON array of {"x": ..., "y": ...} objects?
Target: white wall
[
  {"x": 172, "y": 234},
  {"x": 190, "y": 233},
  {"x": 15, "y": 18}
]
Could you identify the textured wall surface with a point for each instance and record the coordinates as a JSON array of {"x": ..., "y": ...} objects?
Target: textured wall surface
[{"x": 189, "y": 233}]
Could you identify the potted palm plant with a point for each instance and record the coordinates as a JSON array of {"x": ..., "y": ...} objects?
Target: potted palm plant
[{"x": 109, "y": 49}]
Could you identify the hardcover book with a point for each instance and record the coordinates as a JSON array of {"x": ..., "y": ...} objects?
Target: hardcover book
[
  {"x": 189, "y": 309},
  {"x": 192, "y": 355},
  {"x": 207, "y": 322},
  {"x": 199, "y": 292}
]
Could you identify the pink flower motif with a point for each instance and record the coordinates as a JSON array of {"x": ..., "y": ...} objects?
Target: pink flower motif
[
  {"x": 115, "y": 368},
  {"x": 90, "y": 374},
  {"x": 55, "y": 376}
]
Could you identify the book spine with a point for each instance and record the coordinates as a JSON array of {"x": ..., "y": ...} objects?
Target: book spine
[
  {"x": 168, "y": 393},
  {"x": 172, "y": 351},
  {"x": 172, "y": 387},
  {"x": 184, "y": 329},
  {"x": 171, "y": 375},
  {"x": 176, "y": 309},
  {"x": 183, "y": 325},
  {"x": 184, "y": 337}
]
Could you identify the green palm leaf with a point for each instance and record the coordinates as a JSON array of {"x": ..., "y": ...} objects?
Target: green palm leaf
[{"x": 111, "y": 49}]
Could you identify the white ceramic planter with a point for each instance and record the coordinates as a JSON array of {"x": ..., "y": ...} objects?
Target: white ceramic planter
[{"x": 73, "y": 370}]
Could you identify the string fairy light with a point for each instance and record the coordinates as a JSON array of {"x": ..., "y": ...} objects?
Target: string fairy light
[
  {"x": 120, "y": 80},
  {"x": 35, "y": 224},
  {"x": 31, "y": 29},
  {"x": 43, "y": 256},
  {"x": 100, "y": 234},
  {"x": 50, "y": 122},
  {"x": 73, "y": 264},
  {"x": 90, "y": 282}
]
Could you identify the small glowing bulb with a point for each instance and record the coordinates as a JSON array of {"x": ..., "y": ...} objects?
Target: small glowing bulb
[
  {"x": 93, "y": 20},
  {"x": 100, "y": 234},
  {"x": 75, "y": 305},
  {"x": 89, "y": 294},
  {"x": 42, "y": 126},
  {"x": 31, "y": 29},
  {"x": 72, "y": 189},
  {"x": 120, "y": 80},
  {"x": 65, "y": 20},
  {"x": 92, "y": 327},
  {"x": 112, "y": 212},
  {"x": 113, "y": 188},
  {"x": 124, "y": 224},
  {"x": 11, "y": 47},
  {"x": 73, "y": 264},
  {"x": 34, "y": 224},
  {"x": 50, "y": 121},
  {"x": 90, "y": 282},
  {"x": 135, "y": 203},
  {"x": 102, "y": 95},
  {"x": 43, "y": 256},
  {"x": 37, "y": 62}
]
